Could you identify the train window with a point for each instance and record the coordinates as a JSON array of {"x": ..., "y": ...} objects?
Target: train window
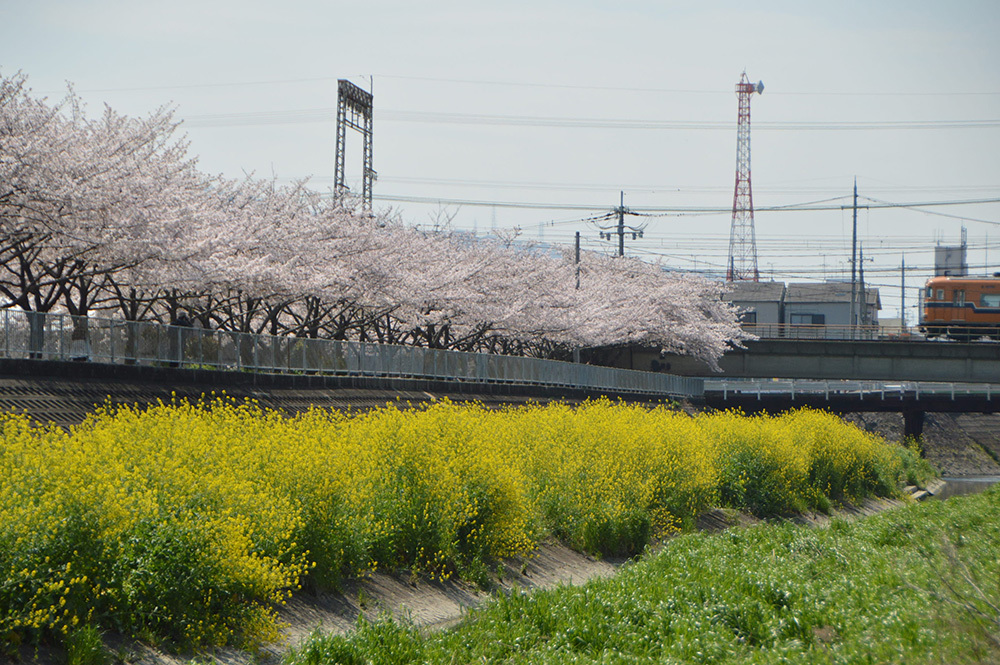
[
  {"x": 959, "y": 297},
  {"x": 940, "y": 295},
  {"x": 930, "y": 292},
  {"x": 990, "y": 300}
]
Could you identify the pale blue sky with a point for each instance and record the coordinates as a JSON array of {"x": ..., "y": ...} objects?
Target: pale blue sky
[{"x": 829, "y": 64}]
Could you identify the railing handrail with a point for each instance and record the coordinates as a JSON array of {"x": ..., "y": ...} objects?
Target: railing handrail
[
  {"x": 793, "y": 387},
  {"x": 56, "y": 336},
  {"x": 862, "y": 332}
]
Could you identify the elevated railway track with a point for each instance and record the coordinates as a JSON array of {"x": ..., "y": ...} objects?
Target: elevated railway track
[
  {"x": 912, "y": 399},
  {"x": 834, "y": 359}
]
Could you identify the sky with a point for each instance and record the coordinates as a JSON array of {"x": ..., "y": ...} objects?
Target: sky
[{"x": 541, "y": 115}]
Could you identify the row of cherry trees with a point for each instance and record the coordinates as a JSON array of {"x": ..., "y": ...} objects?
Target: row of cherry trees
[{"x": 111, "y": 215}]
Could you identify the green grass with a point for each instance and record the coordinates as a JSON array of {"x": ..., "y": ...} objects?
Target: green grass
[
  {"x": 84, "y": 646},
  {"x": 920, "y": 584}
]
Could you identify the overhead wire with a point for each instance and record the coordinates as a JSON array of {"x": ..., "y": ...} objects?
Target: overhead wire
[
  {"x": 329, "y": 114},
  {"x": 651, "y": 188},
  {"x": 918, "y": 208},
  {"x": 818, "y": 93},
  {"x": 679, "y": 210},
  {"x": 550, "y": 85}
]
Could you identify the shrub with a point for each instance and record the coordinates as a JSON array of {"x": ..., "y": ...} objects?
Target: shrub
[{"x": 191, "y": 522}]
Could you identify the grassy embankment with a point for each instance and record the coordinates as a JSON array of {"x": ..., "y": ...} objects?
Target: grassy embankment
[
  {"x": 919, "y": 584},
  {"x": 186, "y": 525}
]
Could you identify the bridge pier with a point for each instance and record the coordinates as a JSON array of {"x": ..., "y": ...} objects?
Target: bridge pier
[{"x": 913, "y": 423}]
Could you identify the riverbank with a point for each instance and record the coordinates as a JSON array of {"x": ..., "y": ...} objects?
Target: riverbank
[
  {"x": 906, "y": 585},
  {"x": 957, "y": 444},
  {"x": 434, "y": 605}
]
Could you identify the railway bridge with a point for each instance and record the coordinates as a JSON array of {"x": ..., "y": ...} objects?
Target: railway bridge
[
  {"x": 834, "y": 359},
  {"x": 912, "y": 398},
  {"x": 911, "y": 376}
]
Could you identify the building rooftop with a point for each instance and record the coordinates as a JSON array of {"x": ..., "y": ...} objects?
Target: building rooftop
[
  {"x": 796, "y": 293},
  {"x": 746, "y": 291},
  {"x": 830, "y": 292}
]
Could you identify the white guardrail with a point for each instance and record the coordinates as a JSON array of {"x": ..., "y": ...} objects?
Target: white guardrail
[
  {"x": 862, "y": 389},
  {"x": 33, "y": 335}
]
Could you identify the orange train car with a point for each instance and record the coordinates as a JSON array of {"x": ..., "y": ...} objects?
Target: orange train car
[{"x": 961, "y": 307}]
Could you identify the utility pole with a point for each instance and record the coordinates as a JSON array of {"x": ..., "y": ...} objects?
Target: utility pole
[
  {"x": 619, "y": 228},
  {"x": 621, "y": 225},
  {"x": 854, "y": 262},
  {"x": 862, "y": 294},
  {"x": 577, "y": 260},
  {"x": 576, "y": 349},
  {"x": 902, "y": 293}
]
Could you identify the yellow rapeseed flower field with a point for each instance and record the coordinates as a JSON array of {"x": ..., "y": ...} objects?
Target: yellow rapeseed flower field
[{"x": 192, "y": 522}]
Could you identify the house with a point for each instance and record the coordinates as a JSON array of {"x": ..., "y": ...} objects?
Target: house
[
  {"x": 818, "y": 310},
  {"x": 829, "y": 304},
  {"x": 759, "y": 302}
]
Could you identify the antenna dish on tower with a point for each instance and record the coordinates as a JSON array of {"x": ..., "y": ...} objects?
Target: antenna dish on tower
[{"x": 760, "y": 87}]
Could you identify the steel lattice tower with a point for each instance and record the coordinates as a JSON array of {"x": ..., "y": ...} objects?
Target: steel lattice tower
[
  {"x": 742, "y": 238},
  {"x": 354, "y": 109}
]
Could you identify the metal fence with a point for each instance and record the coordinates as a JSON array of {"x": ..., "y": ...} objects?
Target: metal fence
[
  {"x": 793, "y": 387},
  {"x": 33, "y": 335},
  {"x": 821, "y": 331}
]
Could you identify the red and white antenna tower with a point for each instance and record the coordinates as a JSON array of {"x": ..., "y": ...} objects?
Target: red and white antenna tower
[{"x": 742, "y": 239}]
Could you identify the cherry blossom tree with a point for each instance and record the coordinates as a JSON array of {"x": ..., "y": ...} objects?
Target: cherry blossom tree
[{"x": 111, "y": 214}]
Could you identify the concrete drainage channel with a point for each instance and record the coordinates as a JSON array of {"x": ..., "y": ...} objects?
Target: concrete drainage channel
[
  {"x": 949, "y": 486},
  {"x": 959, "y": 485}
]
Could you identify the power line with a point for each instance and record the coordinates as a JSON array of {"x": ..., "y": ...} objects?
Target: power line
[
  {"x": 558, "y": 86},
  {"x": 674, "y": 210},
  {"x": 486, "y": 204},
  {"x": 541, "y": 85},
  {"x": 942, "y": 214},
  {"x": 643, "y": 188},
  {"x": 328, "y": 115}
]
